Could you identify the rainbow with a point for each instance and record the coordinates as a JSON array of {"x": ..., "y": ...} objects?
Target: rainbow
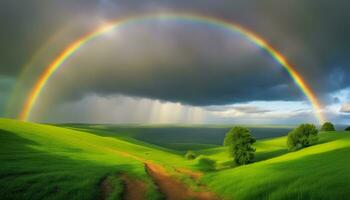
[{"x": 70, "y": 50}]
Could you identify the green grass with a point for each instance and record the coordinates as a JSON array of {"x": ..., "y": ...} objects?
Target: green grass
[
  {"x": 169, "y": 136},
  {"x": 40, "y": 161},
  {"x": 50, "y": 162},
  {"x": 317, "y": 172}
]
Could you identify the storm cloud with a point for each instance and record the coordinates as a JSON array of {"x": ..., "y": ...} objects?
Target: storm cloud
[{"x": 192, "y": 64}]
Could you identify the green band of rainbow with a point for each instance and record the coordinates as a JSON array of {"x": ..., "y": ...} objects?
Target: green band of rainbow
[{"x": 76, "y": 45}]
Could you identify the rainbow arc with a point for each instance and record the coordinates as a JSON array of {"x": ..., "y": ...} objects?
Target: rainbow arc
[{"x": 71, "y": 49}]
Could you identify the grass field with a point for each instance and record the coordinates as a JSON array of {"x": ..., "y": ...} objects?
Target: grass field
[
  {"x": 50, "y": 162},
  {"x": 316, "y": 172},
  {"x": 40, "y": 161},
  {"x": 178, "y": 137}
]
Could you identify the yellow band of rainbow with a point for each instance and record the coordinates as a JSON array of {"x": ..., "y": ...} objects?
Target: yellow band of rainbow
[{"x": 76, "y": 45}]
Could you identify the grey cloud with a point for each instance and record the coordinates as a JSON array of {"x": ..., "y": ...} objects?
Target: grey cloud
[
  {"x": 178, "y": 62},
  {"x": 313, "y": 35}
]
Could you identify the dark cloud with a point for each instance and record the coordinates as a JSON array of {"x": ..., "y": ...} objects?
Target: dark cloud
[
  {"x": 183, "y": 62},
  {"x": 313, "y": 35}
]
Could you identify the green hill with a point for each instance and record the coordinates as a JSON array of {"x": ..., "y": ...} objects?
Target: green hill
[
  {"x": 178, "y": 137},
  {"x": 317, "y": 172},
  {"x": 48, "y": 162},
  {"x": 40, "y": 161}
]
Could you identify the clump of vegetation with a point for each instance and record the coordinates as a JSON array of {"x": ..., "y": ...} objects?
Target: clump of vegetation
[
  {"x": 302, "y": 136},
  {"x": 240, "y": 141},
  {"x": 327, "y": 126},
  {"x": 190, "y": 155},
  {"x": 206, "y": 164},
  {"x": 347, "y": 129}
]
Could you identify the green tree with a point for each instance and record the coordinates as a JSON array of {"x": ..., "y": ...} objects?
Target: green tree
[
  {"x": 190, "y": 155},
  {"x": 240, "y": 140},
  {"x": 206, "y": 164},
  {"x": 327, "y": 126},
  {"x": 347, "y": 129},
  {"x": 302, "y": 136}
]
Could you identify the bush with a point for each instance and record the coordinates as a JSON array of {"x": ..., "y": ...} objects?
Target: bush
[
  {"x": 347, "y": 129},
  {"x": 327, "y": 126},
  {"x": 239, "y": 140},
  {"x": 302, "y": 136},
  {"x": 206, "y": 164},
  {"x": 190, "y": 155}
]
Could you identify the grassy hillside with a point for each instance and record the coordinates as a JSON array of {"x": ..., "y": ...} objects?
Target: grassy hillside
[
  {"x": 178, "y": 137},
  {"x": 265, "y": 149},
  {"x": 317, "y": 172},
  {"x": 43, "y": 161}
]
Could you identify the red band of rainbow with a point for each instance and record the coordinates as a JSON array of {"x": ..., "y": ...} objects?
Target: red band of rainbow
[{"x": 79, "y": 43}]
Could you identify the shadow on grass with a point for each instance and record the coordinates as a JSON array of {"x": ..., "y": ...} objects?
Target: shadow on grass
[
  {"x": 318, "y": 176},
  {"x": 27, "y": 173},
  {"x": 270, "y": 154}
]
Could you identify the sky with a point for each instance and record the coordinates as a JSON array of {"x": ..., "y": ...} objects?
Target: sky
[{"x": 175, "y": 71}]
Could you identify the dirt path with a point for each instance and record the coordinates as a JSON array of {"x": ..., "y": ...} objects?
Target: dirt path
[
  {"x": 133, "y": 189},
  {"x": 172, "y": 188},
  {"x": 105, "y": 189}
]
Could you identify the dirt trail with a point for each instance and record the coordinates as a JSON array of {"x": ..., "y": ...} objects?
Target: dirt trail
[
  {"x": 172, "y": 188},
  {"x": 133, "y": 189},
  {"x": 105, "y": 189},
  {"x": 194, "y": 175},
  {"x": 169, "y": 186}
]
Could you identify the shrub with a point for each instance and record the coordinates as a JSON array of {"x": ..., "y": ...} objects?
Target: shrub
[
  {"x": 302, "y": 136},
  {"x": 239, "y": 140},
  {"x": 327, "y": 126},
  {"x": 206, "y": 164},
  {"x": 347, "y": 129},
  {"x": 190, "y": 155}
]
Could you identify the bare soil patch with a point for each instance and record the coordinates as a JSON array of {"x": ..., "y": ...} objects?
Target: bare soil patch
[
  {"x": 133, "y": 189},
  {"x": 172, "y": 188}
]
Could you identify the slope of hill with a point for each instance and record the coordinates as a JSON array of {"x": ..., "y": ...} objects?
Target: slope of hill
[
  {"x": 317, "y": 172},
  {"x": 40, "y": 161},
  {"x": 177, "y": 137},
  {"x": 49, "y": 162}
]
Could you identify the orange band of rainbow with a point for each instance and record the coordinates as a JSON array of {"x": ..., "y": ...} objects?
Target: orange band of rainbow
[{"x": 76, "y": 45}]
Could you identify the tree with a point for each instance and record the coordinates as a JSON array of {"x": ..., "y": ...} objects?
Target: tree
[
  {"x": 302, "y": 136},
  {"x": 327, "y": 126},
  {"x": 190, "y": 155},
  {"x": 347, "y": 129},
  {"x": 206, "y": 164},
  {"x": 239, "y": 140}
]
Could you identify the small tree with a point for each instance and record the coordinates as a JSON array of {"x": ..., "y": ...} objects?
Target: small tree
[
  {"x": 206, "y": 164},
  {"x": 190, "y": 155},
  {"x": 327, "y": 126},
  {"x": 239, "y": 140},
  {"x": 302, "y": 136},
  {"x": 347, "y": 129}
]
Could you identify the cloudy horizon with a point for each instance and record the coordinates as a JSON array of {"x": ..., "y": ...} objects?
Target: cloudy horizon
[{"x": 176, "y": 71}]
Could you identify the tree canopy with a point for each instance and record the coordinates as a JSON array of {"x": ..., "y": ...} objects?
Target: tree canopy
[
  {"x": 327, "y": 126},
  {"x": 302, "y": 136},
  {"x": 239, "y": 140}
]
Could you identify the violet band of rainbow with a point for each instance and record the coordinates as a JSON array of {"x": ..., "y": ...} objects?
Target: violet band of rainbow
[{"x": 71, "y": 49}]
